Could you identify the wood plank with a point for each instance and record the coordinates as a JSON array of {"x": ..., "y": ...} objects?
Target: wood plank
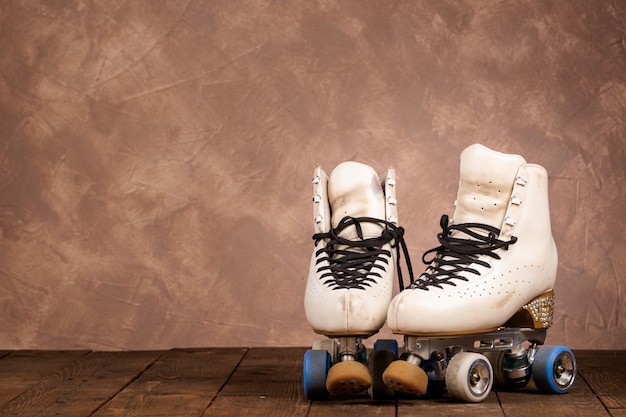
[
  {"x": 185, "y": 371},
  {"x": 605, "y": 372},
  {"x": 613, "y": 401},
  {"x": 447, "y": 406},
  {"x": 268, "y": 382},
  {"x": 181, "y": 382},
  {"x": 360, "y": 405},
  {"x": 22, "y": 369},
  {"x": 118, "y": 370},
  {"x": 135, "y": 404},
  {"x": 522, "y": 404},
  {"x": 260, "y": 405},
  {"x": 270, "y": 372},
  {"x": 529, "y": 401},
  {"x": 81, "y": 386}
]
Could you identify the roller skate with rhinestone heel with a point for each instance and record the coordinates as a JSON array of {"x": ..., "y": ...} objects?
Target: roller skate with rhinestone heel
[
  {"x": 480, "y": 311},
  {"x": 357, "y": 249}
]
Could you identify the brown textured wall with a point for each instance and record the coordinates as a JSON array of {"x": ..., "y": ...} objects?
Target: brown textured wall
[{"x": 156, "y": 156}]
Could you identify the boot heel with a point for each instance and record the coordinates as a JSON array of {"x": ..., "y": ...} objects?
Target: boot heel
[{"x": 537, "y": 314}]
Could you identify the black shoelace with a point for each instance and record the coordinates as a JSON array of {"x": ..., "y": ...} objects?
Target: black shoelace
[
  {"x": 455, "y": 255},
  {"x": 352, "y": 263}
]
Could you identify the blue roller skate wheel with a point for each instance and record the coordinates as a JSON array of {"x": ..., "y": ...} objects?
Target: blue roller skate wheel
[
  {"x": 316, "y": 366},
  {"x": 436, "y": 387},
  {"x": 387, "y": 344},
  {"x": 379, "y": 361},
  {"x": 554, "y": 369}
]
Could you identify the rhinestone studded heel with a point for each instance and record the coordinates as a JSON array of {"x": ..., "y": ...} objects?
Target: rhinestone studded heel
[{"x": 537, "y": 314}]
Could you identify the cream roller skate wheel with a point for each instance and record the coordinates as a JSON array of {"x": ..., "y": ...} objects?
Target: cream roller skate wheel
[
  {"x": 350, "y": 377},
  {"x": 469, "y": 377},
  {"x": 406, "y": 377}
]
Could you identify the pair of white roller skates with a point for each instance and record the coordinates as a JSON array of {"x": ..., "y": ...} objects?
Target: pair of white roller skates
[{"x": 478, "y": 314}]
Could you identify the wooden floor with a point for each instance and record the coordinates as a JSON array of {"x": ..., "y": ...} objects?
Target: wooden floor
[{"x": 256, "y": 382}]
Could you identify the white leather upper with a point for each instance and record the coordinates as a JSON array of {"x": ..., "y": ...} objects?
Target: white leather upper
[
  {"x": 352, "y": 189},
  {"x": 506, "y": 192}
]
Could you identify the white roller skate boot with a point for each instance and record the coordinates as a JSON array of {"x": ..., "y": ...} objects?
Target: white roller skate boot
[
  {"x": 357, "y": 243},
  {"x": 488, "y": 287}
]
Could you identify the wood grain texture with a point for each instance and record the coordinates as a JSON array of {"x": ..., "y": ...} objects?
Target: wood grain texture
[
  {"x": 156, "y": 155},
  {"x": 598, "y": 368},
  {"x": 179, "y": 383},
  {"x": 272, "y": 372},
  {"x": 346, "y": 407},
  {"x": 81, "y": 386},
  {"x": 226, "y": 406},
  {"x": 258, "y": 382},
  {"x": 22, "y": 370}
]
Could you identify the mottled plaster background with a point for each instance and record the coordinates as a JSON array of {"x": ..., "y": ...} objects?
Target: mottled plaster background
[{"x": 156, "y": 156}]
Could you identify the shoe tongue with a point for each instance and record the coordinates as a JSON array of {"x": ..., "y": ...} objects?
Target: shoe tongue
[
  {"x": 354, "y": 190},
  {"x": 485, "y": 185}
]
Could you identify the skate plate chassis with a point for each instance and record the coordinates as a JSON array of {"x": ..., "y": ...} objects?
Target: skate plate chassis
[
  {"x": 500, "y": 339},
  {"x": 465, "y": 366}
]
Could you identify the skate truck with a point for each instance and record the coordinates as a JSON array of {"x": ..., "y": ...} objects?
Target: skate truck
[{"x": 477, "y": 317}]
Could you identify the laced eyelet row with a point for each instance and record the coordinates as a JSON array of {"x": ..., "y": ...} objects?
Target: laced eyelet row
[
  {"x": 359, "y": 263},
  {"x": 456, "y": 255}
]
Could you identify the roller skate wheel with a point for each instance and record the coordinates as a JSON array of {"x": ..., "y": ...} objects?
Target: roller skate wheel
[
  {"x": 436, "y": 387},
  {"x": 379, "y": 361},
  {"x": 469, "y": 377},
  {"x": 554, "y": 369},
  {"x": 387, "y": 344},
  {"x": 350, "y": 377},
  {"x": 316, "y": 366},
  {"x": 406, "y": 377},
  {"x": 329, "y": 345},
  {"x": 500, "y": 381}
]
